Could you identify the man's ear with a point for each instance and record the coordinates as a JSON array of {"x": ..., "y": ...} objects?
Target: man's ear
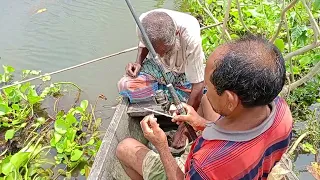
[{"x": 232, "y": 100}]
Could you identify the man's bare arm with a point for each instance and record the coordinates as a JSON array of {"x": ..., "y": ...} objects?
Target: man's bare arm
[
  {"x": 170, "y": 165},
  {"x": 142, "y": 54},
  {"x": 196, "y": 95}
]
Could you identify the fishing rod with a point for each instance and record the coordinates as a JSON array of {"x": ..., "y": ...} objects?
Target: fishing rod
[{"x": 155, "y": 57}]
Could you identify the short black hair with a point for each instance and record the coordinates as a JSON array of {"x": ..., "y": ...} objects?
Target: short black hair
[{"x": 252, "y": 68}]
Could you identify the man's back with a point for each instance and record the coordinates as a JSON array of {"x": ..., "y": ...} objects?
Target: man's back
[{"x": 241, "y": 155}]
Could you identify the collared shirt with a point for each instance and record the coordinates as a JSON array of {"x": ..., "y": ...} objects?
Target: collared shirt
[
  {"x": 190, "y": 57},
  {"x": 221, "y": 155}
]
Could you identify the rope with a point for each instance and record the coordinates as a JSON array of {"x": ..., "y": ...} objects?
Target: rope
[
  {"x": 86, "y": 63},
  {"x": 72, "y": 67}
]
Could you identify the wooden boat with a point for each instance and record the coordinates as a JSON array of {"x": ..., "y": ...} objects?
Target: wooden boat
[{"x": 125, "y": 123}]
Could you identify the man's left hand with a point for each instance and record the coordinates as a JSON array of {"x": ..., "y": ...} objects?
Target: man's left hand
[{"x": 153, "y": 132}]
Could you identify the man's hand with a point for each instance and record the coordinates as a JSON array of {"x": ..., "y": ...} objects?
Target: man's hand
[
  {"x": 132, "y": 69},
  {"x": 192, "y": 118},
  {"x": 153, "y": 132}
]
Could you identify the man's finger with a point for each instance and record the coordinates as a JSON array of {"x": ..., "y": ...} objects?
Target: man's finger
[
  {"x": 182, "y": 118},
  {"x": 144, "y": 124},
  {"x": 187, "y": 107},
  {"x": 129, "y": 70},
  {"x": 135, "y": 72},
  {"x": 153, "y": 123}
]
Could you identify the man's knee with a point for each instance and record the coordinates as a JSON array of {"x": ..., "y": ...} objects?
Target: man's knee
[{"x": 123, "y": 147}]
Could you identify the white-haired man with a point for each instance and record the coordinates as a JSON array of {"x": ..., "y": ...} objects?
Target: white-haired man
[{"x": 176, "y": 39}]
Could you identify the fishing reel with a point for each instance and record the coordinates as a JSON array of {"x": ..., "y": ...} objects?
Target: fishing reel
[{"x": 160, "y": 98}]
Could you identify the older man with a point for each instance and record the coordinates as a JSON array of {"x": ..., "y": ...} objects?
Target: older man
[
  {"x": 176, "y": 39},
  {"x": 243, "y": 79}
]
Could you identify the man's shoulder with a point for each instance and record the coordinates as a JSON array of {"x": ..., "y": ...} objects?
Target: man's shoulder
[{"x": 283, "y": 115}]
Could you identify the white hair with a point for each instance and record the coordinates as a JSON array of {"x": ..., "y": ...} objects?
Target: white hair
[{"x": 159, "y": 27}]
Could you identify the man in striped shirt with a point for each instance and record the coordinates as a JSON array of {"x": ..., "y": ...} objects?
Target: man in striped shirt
[{"x": 243, "y": 79}]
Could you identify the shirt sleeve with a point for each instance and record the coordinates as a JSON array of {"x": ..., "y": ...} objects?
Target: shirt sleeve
[{"x": 194, "y": 60}]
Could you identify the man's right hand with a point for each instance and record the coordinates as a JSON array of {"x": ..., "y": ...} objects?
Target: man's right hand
[
  {"x": 132, "y": 69},
  {"x": 192, "y": 118}
]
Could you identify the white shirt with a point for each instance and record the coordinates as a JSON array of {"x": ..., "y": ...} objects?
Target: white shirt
[{"x": 189, "y": 58}]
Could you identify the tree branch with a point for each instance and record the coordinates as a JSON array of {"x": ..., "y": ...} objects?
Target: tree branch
[
  {"x": 301, "y": 50},
  {"x": 313, "y": 22},
  {"x": 210, "y": 26},
  {"x": 296, "y": 143},
  {"x": 209, "y": 14},
  {"x": 225, "y": 21},
  {"x": 283, "y": 13},
  {"x": 241, "y": 17},
  {"x": 315, "y": 70},
  {"x": 289, "y": 44},
  {"x": 206, "y": 9}
]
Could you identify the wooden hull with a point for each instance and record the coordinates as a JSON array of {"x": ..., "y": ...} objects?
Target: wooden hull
[{"x": 106, "y": 166}]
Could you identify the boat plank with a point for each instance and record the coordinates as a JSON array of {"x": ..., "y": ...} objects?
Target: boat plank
[{"x": 105, "y": 165}]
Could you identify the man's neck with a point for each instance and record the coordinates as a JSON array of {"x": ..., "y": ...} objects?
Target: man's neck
[{"x": 245, "y": 119}]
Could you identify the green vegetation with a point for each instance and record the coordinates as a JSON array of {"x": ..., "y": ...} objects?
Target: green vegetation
[
  {"x": 29, "y": 133},
  {"x": 293, "y": 26}
]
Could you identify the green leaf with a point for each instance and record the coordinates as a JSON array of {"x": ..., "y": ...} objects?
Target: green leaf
[
  {"x": 6, "y": 166},
  {"x": 304, "y": 61},
  {"x": 82, "y": 172},
  {"x": 16, "y": 107},
  {"x": 24, "y": 87},
  {"x": 316, "y": 5},
  {"x": 309, "y": 148},
  {"x": 60, "y": 126},
  {"x": 84, "y": 104},
  {"x": 296, "y": 70},
  {"x": 60, "y": 146},
  {"x": 76, "y": 155},
  {"x": 4, "y": 109},
  {"x": 19, "y": 159},
  {"x": 71, "y": 134},
  {"x": 280, "y": 44},
  {"x": 57, "y": 137},
  {"x": 91, "y": 142},
  {"x": 8, "y": 69},
  {"x": 9, "y": 134},
  {"x": 33, "y": 97},
  {"x": 70, "y": 119}
]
